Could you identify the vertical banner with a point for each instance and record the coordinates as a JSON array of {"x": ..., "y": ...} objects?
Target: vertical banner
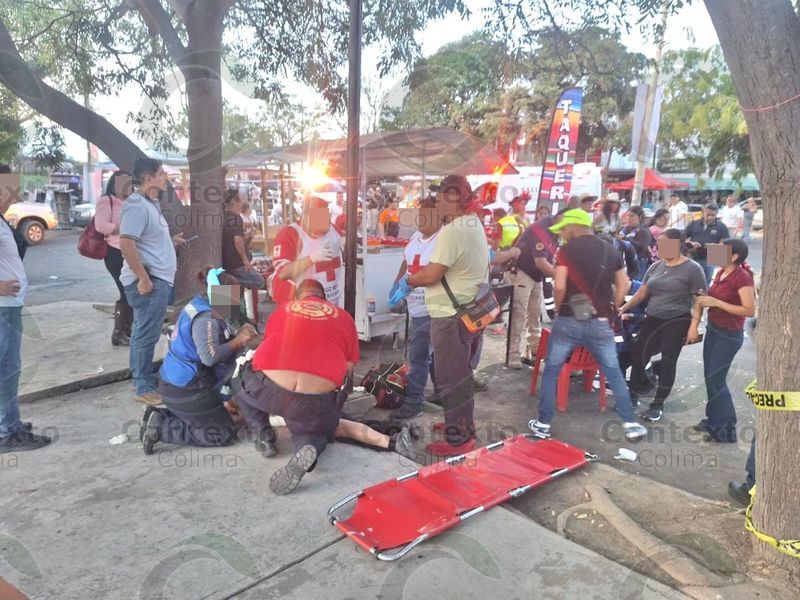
[
  {"x": 643, "y": 139},
  {"x": 560, "y": 157}
]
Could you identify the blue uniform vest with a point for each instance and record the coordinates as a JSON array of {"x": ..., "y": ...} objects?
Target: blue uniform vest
[{"x": 182, "y": 362}]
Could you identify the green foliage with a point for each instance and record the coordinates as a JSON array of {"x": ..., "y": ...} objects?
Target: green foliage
[
  {"x": 12, "y": 134},
  {"x": 47, "y": 149},
  {"x": 479, "y": 86},
  {"x": 89, "y": 47},
  {"x": 279, "y": 123},
  {"x": 701, "y": 120}
]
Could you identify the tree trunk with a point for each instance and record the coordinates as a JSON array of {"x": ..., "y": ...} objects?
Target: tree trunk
[
  {"x": 761, "y": 43},
  {"x": 201, "y": 67},
  {"x": 24, "y": 83}
]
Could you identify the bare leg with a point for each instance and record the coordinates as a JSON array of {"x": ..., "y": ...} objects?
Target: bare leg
[{"x": 361, "y": 433}]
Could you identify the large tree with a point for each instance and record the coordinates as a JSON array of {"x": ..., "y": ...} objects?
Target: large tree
[
  {"x": 760, "y": 41},
  {"x": 53, "y": 52},
  {"x": 702, "y": 124},
  {"x": 484, "y": 87}
]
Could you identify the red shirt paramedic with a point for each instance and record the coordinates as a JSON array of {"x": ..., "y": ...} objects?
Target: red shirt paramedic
[{"x": 310, "y": 250}]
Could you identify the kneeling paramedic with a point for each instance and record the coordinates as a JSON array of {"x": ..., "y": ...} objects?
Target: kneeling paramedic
[
  {"x": 310, "y": 346},
  {"x": 201, "y": 353}
]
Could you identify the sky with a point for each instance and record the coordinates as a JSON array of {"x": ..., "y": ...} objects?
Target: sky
[{"x": 690, "y": 27}]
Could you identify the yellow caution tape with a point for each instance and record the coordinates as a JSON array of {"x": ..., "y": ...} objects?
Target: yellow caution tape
[
  {"x": 790, "y": 547},
  {"x": 772, "y": 400}
]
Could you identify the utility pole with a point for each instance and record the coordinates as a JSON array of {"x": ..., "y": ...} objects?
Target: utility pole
[
  {"x": 353, "y": 145},
  {"x": 88, "y": 170},
  {"x": 641, "y": 159}
]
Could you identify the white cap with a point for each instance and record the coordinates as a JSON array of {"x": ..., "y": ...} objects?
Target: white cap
[{"x": 613, "y": 197}]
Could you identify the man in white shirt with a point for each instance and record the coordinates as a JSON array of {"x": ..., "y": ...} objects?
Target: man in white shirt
[
  {"x": 678, "y": 213},
  {"x": 417, "y": 254},
  {"x": 15, "y": 435},
  {"x": 732, "y": 216}
]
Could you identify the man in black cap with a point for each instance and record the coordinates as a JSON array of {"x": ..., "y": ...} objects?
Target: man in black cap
[{"x": 461, "y": 262}]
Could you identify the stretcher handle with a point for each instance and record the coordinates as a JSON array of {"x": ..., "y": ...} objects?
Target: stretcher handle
[
  {"x": 390, "y": 556},
  {"x": 331, "y": 517},
  {"x": 534, "y": 438}
]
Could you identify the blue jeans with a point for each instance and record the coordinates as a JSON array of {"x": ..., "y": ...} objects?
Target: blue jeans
[
  {"x": 420, "y": 351},
  {"x": 708, "y": 270},
  {"x": 719, "y": 348},
  {"x": 10, "y": 367},
  {"x": 597, "y": 337},
  {"x": 251, "y": 279},
  {"x": 148, "y": 318}
]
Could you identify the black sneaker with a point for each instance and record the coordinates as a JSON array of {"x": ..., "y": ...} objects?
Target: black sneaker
[
  {"x": 652, "y": 415},
  {"x": 740, "y": 492},
  {"x": 145, "y": 417},
  {"x": 22, "y": 441},
  {"x": 152, "y": 431},
  {"x": 285, "y": 479},
  {"x": 481, "y": 385},
  {"x": 406, "y": 412},
  {"x": 265, "y": 442}
]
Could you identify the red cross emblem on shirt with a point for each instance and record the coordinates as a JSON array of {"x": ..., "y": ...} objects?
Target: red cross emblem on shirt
[
  {"x": 415, "y": 267},
  {"x": 329, "y": 268}
]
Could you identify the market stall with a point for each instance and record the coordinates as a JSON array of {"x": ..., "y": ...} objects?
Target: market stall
[{"x": 424, "y": 152}]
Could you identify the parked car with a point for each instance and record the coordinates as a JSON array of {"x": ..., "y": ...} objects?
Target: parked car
[
  {"x": 758, "y": 218},
  {"x": 82, "y": 214},
  {"x": 32, "y": 219},
  {"x": 696, "y": 210}
]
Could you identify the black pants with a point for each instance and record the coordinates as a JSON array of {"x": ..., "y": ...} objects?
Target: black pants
[
  {"x": 194, "y": 418},
  {"x": 113, "y": 261},
  {"x": 666, "y": 336},
  {"x": 312, "y": 419},
  {"x": 453, "y": 348}
]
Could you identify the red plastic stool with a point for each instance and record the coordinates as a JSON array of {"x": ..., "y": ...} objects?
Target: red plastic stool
[
  {"x": 580, "y": 360},
  {"x": 541, "y": 353}
]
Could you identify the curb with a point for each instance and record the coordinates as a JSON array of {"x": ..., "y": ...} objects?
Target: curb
[{"x": 80, "y": 385}]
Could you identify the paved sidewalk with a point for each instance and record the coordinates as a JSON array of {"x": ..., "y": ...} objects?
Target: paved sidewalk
[
  {"x": 64, "y": 346},
  {"x": 83, "y": 519}
]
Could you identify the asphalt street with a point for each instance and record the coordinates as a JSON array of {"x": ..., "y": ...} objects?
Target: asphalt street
[{"x": 57, "y": 272}]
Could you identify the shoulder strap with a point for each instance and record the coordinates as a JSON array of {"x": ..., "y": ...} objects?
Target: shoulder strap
[{"x": 450, "y": 294}]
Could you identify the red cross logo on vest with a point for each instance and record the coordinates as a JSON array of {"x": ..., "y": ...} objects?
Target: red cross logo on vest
[
  {"x": 329, "y": 268},
  {"x": 415, "y": 267}
]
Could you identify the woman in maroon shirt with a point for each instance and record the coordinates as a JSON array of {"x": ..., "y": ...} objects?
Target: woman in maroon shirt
[{"x": 730, "y": 299}]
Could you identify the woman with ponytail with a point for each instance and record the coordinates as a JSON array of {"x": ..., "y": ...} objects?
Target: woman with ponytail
[{"x": 730, "y": 300}]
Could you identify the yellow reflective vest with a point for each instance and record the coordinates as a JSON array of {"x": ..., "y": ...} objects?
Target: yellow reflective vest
[{"x": 512, "y": 229}]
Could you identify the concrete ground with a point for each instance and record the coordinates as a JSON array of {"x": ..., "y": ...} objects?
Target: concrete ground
[
  {"x": 202, "y": 523},
  {"x": 84, "y": 519}
]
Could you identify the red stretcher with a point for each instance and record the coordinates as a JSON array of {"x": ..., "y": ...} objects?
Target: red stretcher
[{"x": 393, "y": 517}]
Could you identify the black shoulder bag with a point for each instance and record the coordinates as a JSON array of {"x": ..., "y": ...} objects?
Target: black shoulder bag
[
  {"x": 479, "y": 313},
  {"x": 22, "y": 243}
]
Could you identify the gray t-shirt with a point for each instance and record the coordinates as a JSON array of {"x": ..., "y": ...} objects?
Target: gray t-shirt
[
  {"x": 142, "y": 221},
  {"x": 671, "y": 288}
]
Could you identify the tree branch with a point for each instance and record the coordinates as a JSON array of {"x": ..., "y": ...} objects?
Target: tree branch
[
  {"x": 28, "y": 86},
  {"x": 159, "y": 21}
]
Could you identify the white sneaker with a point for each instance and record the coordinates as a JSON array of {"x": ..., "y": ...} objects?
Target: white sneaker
[
  {"x": 539, "y": 429},
  {"x": 634, "y": 431}
]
